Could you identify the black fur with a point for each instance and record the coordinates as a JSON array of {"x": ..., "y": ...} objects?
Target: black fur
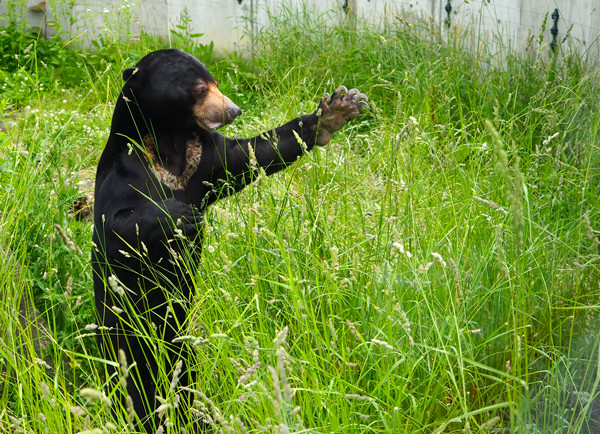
[{"x": 162, "y": 166}]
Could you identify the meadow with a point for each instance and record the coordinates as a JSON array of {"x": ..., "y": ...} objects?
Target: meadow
[{"x": 435, "y": 268}]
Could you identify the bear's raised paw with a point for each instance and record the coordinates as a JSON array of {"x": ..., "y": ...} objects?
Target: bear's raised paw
[{"x": 337, "y": 109}]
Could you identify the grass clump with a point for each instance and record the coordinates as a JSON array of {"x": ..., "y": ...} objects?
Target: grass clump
[{"x": 435, "y": 268}]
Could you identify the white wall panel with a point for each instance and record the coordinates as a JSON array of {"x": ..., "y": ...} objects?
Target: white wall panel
[{"x": 226, "y": 22}]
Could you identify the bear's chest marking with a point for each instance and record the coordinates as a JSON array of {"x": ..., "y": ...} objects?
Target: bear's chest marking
[{"x": 193, "y": 156}]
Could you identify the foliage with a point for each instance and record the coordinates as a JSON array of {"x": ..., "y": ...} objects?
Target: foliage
[{"x": 436, "y": 267}]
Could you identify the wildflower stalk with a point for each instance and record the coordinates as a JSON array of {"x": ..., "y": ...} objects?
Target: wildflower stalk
[
  {"x": 514, "y": 183},
  {"x": 500, "y": 151},
  {"x": 517, "y": 207}
]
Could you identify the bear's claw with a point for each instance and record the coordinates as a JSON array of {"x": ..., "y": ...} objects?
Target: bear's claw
[{"x": 337, "y": 109}]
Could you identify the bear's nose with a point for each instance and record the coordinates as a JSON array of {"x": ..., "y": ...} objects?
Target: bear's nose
[{"x": 233, "y": 111}]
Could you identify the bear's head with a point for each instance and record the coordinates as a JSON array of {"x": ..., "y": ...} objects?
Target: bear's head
[{"x": 174, "y": 89}]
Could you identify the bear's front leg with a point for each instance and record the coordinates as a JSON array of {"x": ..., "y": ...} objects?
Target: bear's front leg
[{"x": 235, "y": 161}]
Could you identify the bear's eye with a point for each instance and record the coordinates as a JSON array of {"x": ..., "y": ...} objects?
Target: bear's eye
[{"x": 200, "y": 92}]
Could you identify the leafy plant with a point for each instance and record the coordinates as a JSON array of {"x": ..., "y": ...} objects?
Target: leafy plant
[{"x": 434, "y": 269}]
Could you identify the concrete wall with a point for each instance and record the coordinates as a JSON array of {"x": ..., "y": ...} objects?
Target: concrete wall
[
  {"x": 517, "y": 20},
  {"x": 229, "y": 23}
]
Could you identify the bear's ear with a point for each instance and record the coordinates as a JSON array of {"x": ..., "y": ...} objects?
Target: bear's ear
[{"x": 128, "y": 72}]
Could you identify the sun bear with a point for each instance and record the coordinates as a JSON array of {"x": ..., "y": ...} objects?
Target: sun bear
[{"x": 164, "y": 163}]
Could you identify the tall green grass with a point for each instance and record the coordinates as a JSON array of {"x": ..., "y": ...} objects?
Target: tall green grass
[{"x": 434, "y": 269}]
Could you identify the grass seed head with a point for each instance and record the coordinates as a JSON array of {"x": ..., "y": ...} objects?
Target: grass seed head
[
  {"x": 93, "y": 395},
  {"x": 591, "y": 234},
  {"x": 130, "y": 411},
  {"x": 281, "y": 337},
  {"x": 176, "y": 374},
  {"x": 77, "y": 411}
]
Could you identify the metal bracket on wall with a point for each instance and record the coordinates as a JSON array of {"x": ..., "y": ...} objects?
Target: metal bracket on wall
[
  {"x": 448, "y": 10},
  {"x": 554, "y": 30}
]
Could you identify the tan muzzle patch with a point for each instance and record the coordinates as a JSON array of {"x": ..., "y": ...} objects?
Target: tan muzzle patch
[{"x": 215, "y": 109}]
